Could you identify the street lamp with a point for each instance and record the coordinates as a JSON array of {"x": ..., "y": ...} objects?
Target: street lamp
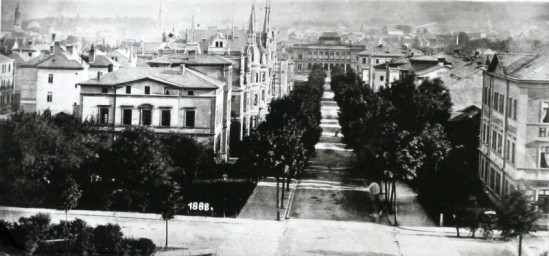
[{"x": 225, "y": 177}]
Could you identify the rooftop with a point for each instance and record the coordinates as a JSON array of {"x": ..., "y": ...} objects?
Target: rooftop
[
  {"x": 59, "y": 60},
  {"x": 522, "y": 66},
  {"x": 172, "y": 76},
  {"x": 199, "y": 59}
]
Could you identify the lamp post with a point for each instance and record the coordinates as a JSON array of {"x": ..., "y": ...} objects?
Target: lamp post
[{"x": 225, "y": 176}]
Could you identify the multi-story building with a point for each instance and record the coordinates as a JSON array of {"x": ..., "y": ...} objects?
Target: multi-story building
[
  {"x": 49, "y": 81},
  {"x": 213, "y": 66},
  {"x": 99, "y": 63},
  {"x": 6, "y": 83},
  {"x": 514, "y": 147},
  {"x": 126, "y": 57},
  {"x": 166, "y": 99},
  {"x": 329, "y": 51}
]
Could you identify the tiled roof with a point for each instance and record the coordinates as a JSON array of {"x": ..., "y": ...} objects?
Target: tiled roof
[
  {"x": 103, "y": 62},
  {"x": 20, "y": 58},
  {"x": 59, "y": 60},
  {"x": 4, "y": 58},
  {"x": 180, "y": 58},
  {"x": 523, "y": 66},
  {"x": 173, "y": 76}
]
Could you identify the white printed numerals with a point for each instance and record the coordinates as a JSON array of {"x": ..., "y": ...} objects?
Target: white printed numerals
[{"x": 199, "y": 206}]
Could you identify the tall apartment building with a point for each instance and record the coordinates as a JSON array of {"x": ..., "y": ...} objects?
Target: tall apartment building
[{"x": 514, "y": 148}]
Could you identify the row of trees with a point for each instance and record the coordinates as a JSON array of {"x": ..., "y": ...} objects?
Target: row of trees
[
  {"x": 398, "y": 133},
  {"x": 404, "y": 133},
  {"x": 36, "y": 234},
  {"x": 281, "y": 145}
]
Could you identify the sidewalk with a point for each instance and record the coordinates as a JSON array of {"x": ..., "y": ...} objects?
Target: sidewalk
[
  {"x": 262, "y": 203},
  {"x": 409, "y": 211}
]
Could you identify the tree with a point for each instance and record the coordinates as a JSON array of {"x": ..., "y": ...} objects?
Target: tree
[
  {"x": 133, "y": 163},
  {"x": 517, "y": 216},
  {"x": 170, "y": 202},
  {"x": 193, "y": 159},
  {"x": 70, "y": 196}
]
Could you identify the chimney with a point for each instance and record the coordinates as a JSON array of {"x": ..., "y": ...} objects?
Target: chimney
[
  {"x": 98, "y": 76},
  {"x": 70, "y": 49},
  {"x": 91, "y": 55},
  {"x": 52, "y": 49},
  {"x": 53, "y": 37},
  {"x": 441, "y": 61},
  {"x": 182, "y": 68}
]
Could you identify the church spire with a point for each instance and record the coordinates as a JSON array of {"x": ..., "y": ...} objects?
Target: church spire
[
  {"x": 251, "y": 29},
  {"x": 17, "y": 20},
  {"x": 267, "y": 34}
]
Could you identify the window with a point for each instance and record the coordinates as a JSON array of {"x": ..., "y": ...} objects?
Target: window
[
  {"x": 492, "y": 180},
  {"x": 309, "y": 66},
  {"x": 128, "y": 89},
  {"x": 104, "y": 115},
  {"x": 500, "y": 144},
  {"x": 166, "y": 118},
  {"x": 377, "y": 61},
  {"x": 104, "y": 90},
  {"x": 545, "y": 112},
  {"x": 189, "y": 118},
  {"x": 49, "y": 97},
  {"x": 299, "y": 66},
  {"x": 50, "y": 78},
  {"x": 514, "y": 110},
  {"x": 190, "y": 93},
  {"x": 166, "y": 91},
  {"x": 496, "y": 101},
  {"x": 501, "y": 103},
  {"x": 300, "y": 56},
  {"x": 381, "y": 78},
  {"x": 363, "y": 60},
  {"x": 497, "y": 186},
  {"x": 99, "y": 74},
  {"x": 127, "y": 117},
  {"x": 146, "y": 116},
  {"x": 494, "y": 140},
  {"x": 544, "y": 155},
  {"x": 542, "y": 132},
  {"x": 147, "y": 90},
  {"x": 263, "y": 95},
  {"x": 255, "y": 99}
]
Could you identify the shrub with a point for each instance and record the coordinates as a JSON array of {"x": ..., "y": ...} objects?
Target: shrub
[
  {"x": 77, "y": 232},
  {"x": 141, "y": 246},
  {"x": 30, "y": 231},
  {"x": 108, "y": 239}
]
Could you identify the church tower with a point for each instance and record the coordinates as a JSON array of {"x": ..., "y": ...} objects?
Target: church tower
[
  {"x": 17, "y": 20},
  {"x": 267, "y": 32},
  {"x": 251, "y": 28}
]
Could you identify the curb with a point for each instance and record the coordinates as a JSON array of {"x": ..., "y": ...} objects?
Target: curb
[{"x": 291, "y": 200}]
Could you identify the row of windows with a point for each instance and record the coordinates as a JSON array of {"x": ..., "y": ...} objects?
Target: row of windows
[
  {"x": 146, "y": 117},
  {"x": 147, "y": 90},
  {"x": 496, "y": 141},
  {"x": 256, "y": 97},
  {"x": 326, "y": 66},
  {"x": 491, "y": 177},
  {"x": 6, "y": 83},
  {"x": 6, "y": 99},
  {"x": 6, "y": 68},
  {"x": 325, "y": 55},
  {"x": 498, "y": 103}
]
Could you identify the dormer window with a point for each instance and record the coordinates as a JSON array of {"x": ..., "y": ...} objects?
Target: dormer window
[{"x": 190, "y": 93}]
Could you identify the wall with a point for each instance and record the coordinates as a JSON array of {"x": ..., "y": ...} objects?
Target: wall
[{"x": 65, "y": 93}]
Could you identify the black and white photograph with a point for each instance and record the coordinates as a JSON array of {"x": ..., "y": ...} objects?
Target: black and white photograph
[{"x": 274, "y": 127}]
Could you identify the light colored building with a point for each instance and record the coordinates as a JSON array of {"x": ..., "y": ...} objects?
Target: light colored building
[
  {"x": 99, "y": 63},
  {"x": 166, "y": 99},
  {"x": 126, "y": 57},
  {"x": 328, "y": 51},
  {"x": 7, "y": 71},
  {"x": 514, "y": 147},
  {"x": 49, "y": 81},
  {"x": 213, "y": 66}
]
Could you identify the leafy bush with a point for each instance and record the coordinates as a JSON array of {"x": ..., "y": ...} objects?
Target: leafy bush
[
  {"x": 108, "y": 239},
  {"x": 30, "y": 231},
  {"x": 141, "y": 246}
]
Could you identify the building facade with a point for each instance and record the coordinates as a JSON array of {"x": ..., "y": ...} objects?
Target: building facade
[
  {"x": 167, "y": 100},
  {"x": 7, "y": 82},
  {"x": 514, "y": 143},
  {"x": 329, "y": 52},
  {"x": 49, "y": 81}
]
